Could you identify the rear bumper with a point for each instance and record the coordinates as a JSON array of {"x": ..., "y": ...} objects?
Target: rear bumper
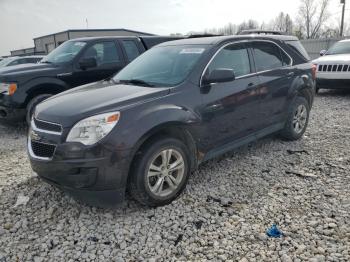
[
  {"x": 98, "y": 180},
  {"x": 333, "y": 83}
]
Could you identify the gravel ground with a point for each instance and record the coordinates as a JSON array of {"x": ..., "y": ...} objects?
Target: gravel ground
[{"x": 303, "y": 187}]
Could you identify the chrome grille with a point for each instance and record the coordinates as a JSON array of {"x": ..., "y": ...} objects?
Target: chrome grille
[
  {"x": 47, "y": 126},
  {"x": 334, "y": 68}
]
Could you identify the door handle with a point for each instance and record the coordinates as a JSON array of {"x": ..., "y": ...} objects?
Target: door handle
[{"x": 213, "y": 108}]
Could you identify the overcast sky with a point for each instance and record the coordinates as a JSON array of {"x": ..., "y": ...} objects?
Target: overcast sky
[{"x": 22, "y": 20}]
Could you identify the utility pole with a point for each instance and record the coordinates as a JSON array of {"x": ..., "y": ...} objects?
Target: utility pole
[{"x": 342, "y": 18}]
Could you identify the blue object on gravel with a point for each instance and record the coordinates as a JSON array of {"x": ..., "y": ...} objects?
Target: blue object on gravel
[{"x": 274, "y": 232}]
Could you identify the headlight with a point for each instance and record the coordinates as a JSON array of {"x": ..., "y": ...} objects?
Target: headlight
[
  {"x": 92, "y": 129},
  {"x": 8, "y": 88}
]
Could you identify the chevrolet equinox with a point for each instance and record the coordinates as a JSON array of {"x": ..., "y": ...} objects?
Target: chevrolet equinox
[{"x": 175, "y": 106}]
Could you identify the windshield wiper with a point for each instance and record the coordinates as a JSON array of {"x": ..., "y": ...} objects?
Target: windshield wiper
[
  {"x": 45, "y": 62},
  {"x": 136, "y": 82}
]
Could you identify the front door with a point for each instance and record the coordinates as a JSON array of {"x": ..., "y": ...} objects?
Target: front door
[
  {"x": 230, "y": 110},
  {"x": 109, "y": 61}
]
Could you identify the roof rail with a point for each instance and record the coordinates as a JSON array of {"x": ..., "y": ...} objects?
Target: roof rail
[
  {"x": 260, "y": 32},
  {"x": 202, "y": 35}
]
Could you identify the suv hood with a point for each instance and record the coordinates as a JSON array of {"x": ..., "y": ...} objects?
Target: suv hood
[
  {"x": 343, "y": 58},
  {"x": 69, "y": 107}
]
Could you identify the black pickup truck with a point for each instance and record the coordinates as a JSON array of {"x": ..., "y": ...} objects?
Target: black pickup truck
[{"x": 74, "y": 63}]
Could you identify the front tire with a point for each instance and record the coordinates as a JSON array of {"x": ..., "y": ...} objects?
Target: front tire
[
  {"x": 297, "y": 120},
  {"x": 160, "y": 172},
  {"x": 32, "y": 104}
]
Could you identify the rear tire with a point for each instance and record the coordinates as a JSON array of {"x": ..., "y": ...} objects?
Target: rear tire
[
  {"x": 297, "y": 120},
  {"x": 32, "y": 104},
  {"x": 160, "y": 172}
]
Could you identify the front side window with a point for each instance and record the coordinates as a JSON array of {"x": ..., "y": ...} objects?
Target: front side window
[
  {"x": 104, "y": 53},
  {"x": 131, "y": 49},
  {"x": 64, "y": 53},
  {"x": 15, "y": 62},
  {"x": 269, "y": 56},
  {"x": 162, "y": 66},
  {"x": 23, "y": 61},
  {"x": 233, "y": 57}
]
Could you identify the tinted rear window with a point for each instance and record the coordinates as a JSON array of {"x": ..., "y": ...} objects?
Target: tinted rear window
[
  {"x": 267, "y": 56},
  {"x": 299, "y": 49}
]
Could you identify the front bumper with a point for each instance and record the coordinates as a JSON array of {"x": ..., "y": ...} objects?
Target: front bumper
[
  {"x": 96, "y": 175},
  {"x": 10, "y": 110},
  {"x": 12, "y": 114},
  {"x": 332, "y": 83}
]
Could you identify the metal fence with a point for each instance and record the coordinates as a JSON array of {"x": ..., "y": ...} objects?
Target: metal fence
[{"x": 314, "y": 46}]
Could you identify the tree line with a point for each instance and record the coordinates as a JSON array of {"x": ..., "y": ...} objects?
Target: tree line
[{"x": 311, "y": 22}]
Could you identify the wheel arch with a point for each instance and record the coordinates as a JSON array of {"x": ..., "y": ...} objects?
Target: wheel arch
[
  {"x": 307, "y": 94},
  {"x": 172, "y": 129},
  {"x": 44, "y": 86}
]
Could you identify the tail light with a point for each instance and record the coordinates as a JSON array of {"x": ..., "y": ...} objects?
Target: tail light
[{"x": 313, "y": 71}]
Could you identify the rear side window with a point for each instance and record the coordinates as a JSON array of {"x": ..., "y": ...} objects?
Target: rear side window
[
  {"x": 299, "y": 49},
  {"x": 234, "y": 57},
  {"x": 131, "y": 49},
  {"x": 269, "y": 56}
]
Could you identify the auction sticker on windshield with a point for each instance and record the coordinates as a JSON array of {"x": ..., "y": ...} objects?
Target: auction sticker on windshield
[{"x": 192, "y": 51}]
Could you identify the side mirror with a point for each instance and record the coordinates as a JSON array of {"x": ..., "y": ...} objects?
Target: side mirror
[
  {"x": 323, "y": 52},
  {"x": 86, "y": 63},
  {"x": 219, "y": 76}
]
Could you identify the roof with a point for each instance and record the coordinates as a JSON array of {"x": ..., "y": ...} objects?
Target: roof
[
  {"x": 92, "y": 38},
  {"x": 260, "y": 32},
  {"x": 219, "y": 39},
  {"x": 94, "y": 30},
  {"x": 345, "y": 40},
  {"x": 149, "y": 38}
]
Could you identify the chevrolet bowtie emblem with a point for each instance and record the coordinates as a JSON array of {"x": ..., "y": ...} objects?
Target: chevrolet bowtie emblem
[{"x": 35, "y": 136}]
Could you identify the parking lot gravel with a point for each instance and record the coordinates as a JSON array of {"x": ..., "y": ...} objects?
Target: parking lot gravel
[{"x": 303, "y": 187}]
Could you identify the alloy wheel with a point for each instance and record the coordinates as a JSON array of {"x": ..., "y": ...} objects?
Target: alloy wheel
[
  {"x": 165, "y": 172},
  {"x": 300, "y": 118}
]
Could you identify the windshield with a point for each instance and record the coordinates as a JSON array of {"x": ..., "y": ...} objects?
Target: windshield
[
  {"x": 162, "y": 66},
  {"x": 64, "y": 53},
  {"x": 339, "y": 48},
  {"x": 6, "y": 61}
]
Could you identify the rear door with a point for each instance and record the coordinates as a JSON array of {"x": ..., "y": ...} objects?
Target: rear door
[
  {"x": 230, "y": 110},
  {"x": 275, "y": 71},
  {"x": 109, "y": 60}
]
